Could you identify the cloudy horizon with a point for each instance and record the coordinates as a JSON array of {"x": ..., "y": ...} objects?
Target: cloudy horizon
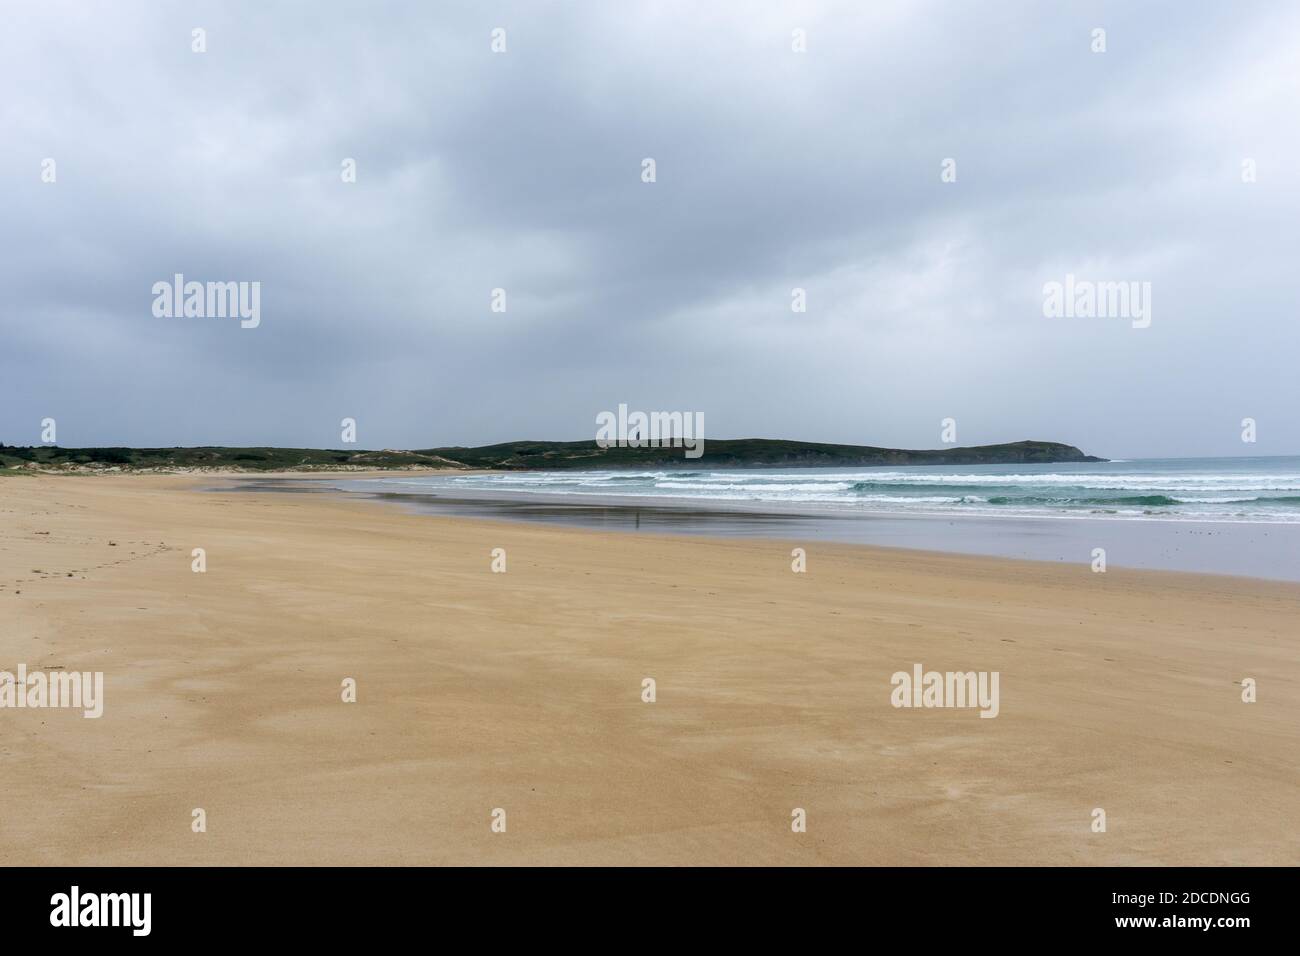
[{"x": 1167, "y": 159}]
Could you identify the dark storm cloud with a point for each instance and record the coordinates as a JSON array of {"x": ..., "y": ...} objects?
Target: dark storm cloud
[{"x": 775, "y": 170}]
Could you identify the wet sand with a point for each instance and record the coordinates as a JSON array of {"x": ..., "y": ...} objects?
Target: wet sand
[{"x": 1256, "y": 549}]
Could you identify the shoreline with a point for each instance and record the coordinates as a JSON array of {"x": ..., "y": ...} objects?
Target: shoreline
[
  {"x": 1244, "y": 549},
  {"x": 522, "y": 691}
]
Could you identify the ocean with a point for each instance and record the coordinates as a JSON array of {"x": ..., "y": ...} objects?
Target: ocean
[{"x": 1194, "y": 489}]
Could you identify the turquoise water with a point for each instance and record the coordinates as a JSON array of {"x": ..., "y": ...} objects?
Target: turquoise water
[{"x": 1192, "y": 489}]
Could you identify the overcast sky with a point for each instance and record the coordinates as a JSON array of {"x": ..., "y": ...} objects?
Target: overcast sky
[{"x": 775, "y": 169}]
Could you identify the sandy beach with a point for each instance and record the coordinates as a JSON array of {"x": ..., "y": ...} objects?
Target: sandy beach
[{"x": 523, "y": 691}]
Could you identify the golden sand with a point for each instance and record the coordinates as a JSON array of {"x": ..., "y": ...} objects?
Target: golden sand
[{"x": 522, "y": 691}]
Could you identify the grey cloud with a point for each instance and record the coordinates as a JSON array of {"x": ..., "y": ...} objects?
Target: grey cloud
[{"x": 776, "y": 170}]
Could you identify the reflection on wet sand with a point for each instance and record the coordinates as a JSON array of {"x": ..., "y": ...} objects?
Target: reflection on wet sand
[{"x": 1248, "y": 549}]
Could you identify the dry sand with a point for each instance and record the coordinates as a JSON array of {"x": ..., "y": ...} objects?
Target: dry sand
[{"x": 523, "y": 691}]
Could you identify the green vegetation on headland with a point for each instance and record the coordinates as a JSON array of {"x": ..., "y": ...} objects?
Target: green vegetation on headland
[{"x": 525, "y": 455}]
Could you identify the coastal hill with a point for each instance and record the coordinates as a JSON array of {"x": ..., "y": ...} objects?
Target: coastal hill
[{"x": 524, "y": 455}]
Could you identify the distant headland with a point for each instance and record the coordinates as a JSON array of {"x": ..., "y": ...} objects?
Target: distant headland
[{"x": 532, "y": 455}]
